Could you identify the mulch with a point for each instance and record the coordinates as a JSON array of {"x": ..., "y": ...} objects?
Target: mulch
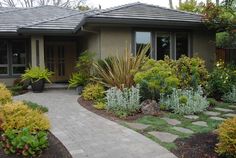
[
  {"x": 56, "y": 150},
  {"x": 200, "y": 145}
]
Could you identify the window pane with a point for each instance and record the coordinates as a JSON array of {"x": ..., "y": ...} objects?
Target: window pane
[
  {"x": 3, "y": 52},
  {"x": 142, "y": 39},
  {"x": 181, "y": 44},
  {"x": 18, "y": 52},
  {"x": 19, "y": 70},
  {"x": 3, "y": 71},
  {"x": 163, "y": 45}
]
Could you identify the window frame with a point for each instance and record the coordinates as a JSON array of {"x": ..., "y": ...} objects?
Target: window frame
[
  {"x": 10, "y": 64},
  {"x": 135, "y": 44}
]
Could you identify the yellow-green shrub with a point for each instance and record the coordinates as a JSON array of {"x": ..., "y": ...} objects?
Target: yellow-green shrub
[
  {"x": 17, "y": 115},
  {"x": 5, "y": 94},
  {"x": 100, "y": 105},
  {"x": 93, "y": 92},
  {"x": 227, "y": 138}
]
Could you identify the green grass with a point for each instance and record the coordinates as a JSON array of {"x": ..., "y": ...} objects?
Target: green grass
[
  {"x": 158, "y": 124},
  {"x": 36, "y": 106}
]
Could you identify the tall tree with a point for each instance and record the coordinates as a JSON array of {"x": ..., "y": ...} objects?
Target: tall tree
[
  {"x": 171, "y": 4},
  {"x": 33, "y": 3}
]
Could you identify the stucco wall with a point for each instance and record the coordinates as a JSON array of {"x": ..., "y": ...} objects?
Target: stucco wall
[
  {"x": 93, "y": 45},
  {"x": 204, "y": 47},
  {"x": 7, "y": 81},
  {"x": 41, "y": 51},
  {"x": 114, "y": 41}
]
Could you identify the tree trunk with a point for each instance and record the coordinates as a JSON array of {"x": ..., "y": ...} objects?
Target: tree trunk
[
  {"x": 171, "y": 4},
  {"x": 217, "y": 2},
  {"x": 180, "y": 2}
]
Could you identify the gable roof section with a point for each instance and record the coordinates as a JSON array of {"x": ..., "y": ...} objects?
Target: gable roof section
[
  {"x": 141, "y": 11},
  {"x": 57, "y": 19}
]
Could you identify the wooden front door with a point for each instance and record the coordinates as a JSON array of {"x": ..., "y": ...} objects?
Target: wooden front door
[{"x": 60, "y": 57}]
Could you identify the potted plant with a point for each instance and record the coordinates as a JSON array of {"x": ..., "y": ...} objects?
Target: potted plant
[{"x": 37, "y": 77}]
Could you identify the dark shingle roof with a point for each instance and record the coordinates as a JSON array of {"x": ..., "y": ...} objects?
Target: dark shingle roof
[
  {"x": 149, "y": 12},
  {"x": 12, "y": 19},
  {"x": 49, "y": 18}
]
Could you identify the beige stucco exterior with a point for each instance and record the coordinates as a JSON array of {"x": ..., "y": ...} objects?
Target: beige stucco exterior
[
  {"x": 114, "y": 41},
  {"x": 34, "y": 51},
  {"x": 204, "y": 47}
]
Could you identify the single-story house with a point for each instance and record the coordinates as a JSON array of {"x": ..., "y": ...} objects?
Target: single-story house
[{"x": 53, "y": 37}]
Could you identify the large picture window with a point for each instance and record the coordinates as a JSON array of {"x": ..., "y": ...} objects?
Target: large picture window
[
  {"x": 13, "y": 55},
  {"x": 181, "y": 44},
  {"x": 142, "y": 39},
  {"x": 162, "y": 45}
]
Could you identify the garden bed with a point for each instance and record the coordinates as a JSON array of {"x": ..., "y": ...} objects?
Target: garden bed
[
  {"x": 56, "y": 150},
  {"x": 104, "y": 113},
  {"x": 197, "y": 146}
]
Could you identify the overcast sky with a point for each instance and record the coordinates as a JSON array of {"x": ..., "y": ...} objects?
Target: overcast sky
[{"x": 111, "y": 3}]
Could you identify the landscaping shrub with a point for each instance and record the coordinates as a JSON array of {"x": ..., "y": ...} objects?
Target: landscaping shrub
[
  {"x": 221, "y": 80},
  {"x": 17, "y": 115},
  {"x": 5, "y": 94},
  {"x": 23, "y": 142},
  {"x": 100, "y": 105},
  {"x": 190, "y": 71},
  {"x": 93, "y": 92},
  {"x": 154, "y": 78},
  {"x": 185, "y": 101},
  {"x": 83, "y": 67},
  {"x": 230, "y": 97},
  {"x": 35, "y": 106},
  {"x": 123, "y": 102},
  {"x": 227, "y": 138},
  {"x": 119, "y": 71}
]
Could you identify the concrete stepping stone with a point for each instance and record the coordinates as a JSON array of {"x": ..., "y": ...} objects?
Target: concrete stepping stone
[
  {"x": 200, "y": 123},
  {"x": 192, "y": 117},
  {"x": 217, "y": 118},
  {"x": 230, "y": 115},
  {"x": 171, "y": 121},
  {"x": 164, "y": 136},
  {"x": 137, "y": 126},
  {"x": 211, "y": 113},
  {"x": 223, "y": 110},
  {"x": 183, "y": 130}
]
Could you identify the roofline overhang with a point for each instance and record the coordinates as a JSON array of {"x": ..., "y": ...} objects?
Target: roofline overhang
[
  {"x": 150, "y": 22},
  {"x": 46, "y": 31}
]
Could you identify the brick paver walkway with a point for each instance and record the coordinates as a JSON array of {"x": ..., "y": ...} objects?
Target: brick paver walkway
[{"x": 87, "y": 135}]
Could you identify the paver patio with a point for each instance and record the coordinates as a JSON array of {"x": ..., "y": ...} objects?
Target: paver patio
[{"x": 87, "y": 135}]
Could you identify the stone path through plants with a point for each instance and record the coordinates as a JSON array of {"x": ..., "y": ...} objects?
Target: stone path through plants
[
  {"x": 87, "y": 135},
  {"x": 172, "y": 125}
]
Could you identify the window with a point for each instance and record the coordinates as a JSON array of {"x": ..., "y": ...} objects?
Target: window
[
  {"x": 12, "y": 57},
  {"x": 162, "y": 45},
  {"x": 181, "y": 44},
  {"x": 142, "y": 39},
  {"x": 3, "y": 58}
]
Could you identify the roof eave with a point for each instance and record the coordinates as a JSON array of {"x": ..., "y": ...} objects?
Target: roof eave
[{"x": 45, "y": 31}]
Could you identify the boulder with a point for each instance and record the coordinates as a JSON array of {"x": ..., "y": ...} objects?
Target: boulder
[{"x": 150, "y": 107}]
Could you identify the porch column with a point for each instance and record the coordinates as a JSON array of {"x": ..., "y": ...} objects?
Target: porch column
[{"x": 37, "y": 51}]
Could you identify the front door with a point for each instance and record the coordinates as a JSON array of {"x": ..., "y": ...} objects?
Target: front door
[{"x": 60, "y": 58}]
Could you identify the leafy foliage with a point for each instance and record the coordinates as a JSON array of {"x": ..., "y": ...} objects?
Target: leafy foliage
[
  {"x": 35, "y": 74},
  {"x": 5, "y": 94},
  {"x": 100, "y": 105},
  {"x": 123, "y": 102},
  {"x": 83, "y": 66},
  {"x": 185, "y": 101},
  {"x": 23, "y": 142},
  {"x": 227, "y": 138},
  {"x": 93, "y": 92},
  {"x": 119, "y": 71},
  {"x": 230, "y": 97},
  {"x": 225, "y": 39},
  {"x": 35, "y": 106},
  {"x": 221, "y": 80},
  {"x": 17, "y": 115},
  {"x": 190, "y": 71},
  {"x": 156, "y": 77},
  {"x": 190, "y": 6}
]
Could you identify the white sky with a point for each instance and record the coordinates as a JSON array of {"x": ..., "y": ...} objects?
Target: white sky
[{"x": 111, "y": 3}]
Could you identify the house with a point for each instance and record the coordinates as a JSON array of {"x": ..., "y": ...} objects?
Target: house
[{"x": 53, "y": 37}]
